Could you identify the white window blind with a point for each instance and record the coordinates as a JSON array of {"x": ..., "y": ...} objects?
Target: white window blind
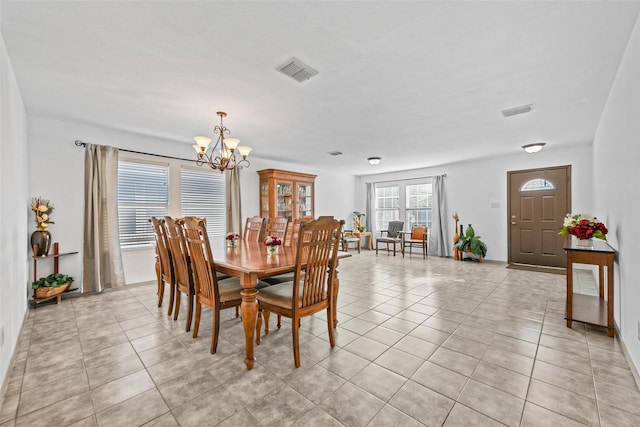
[
  {"x": 143, "y": 192},
  {"x": 203, "y": 194}
]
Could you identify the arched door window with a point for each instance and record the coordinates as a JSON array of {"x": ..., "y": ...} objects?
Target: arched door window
[{"x": 537, "y": 185}]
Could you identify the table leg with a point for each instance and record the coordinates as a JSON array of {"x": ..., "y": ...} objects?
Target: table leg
[
  {"x": 610, "y": 327},
  {"x": 249, "y": 309},
  {"x": 569, "y": 309}
]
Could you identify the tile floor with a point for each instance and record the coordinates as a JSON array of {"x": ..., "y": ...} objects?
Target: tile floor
[{"x": 433, "y": 343}]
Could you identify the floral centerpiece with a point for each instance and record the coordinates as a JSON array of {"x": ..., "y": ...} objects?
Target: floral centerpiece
[
  {"x": 584, "y": 227},
  {"x": 42, "y": 208},
  {"x": 272, "y": 243},
  {"x": 232, "y": 239}
]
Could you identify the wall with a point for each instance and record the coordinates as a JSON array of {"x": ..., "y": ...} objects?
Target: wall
[
  {"x": 473, "y": 187},
  {"x": 54, "y": 140},
  {"x": 14, "y": 210},
  {"x": 616, "y": 176}
]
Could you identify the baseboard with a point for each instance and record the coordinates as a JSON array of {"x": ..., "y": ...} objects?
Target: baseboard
[
  {"x": 634, "y": 369},
  {"x": 12, "y": 361}
]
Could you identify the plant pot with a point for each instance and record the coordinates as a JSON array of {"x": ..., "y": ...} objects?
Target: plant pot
[
  {"x": 41, "y": 242},
  {"x": 47, "y": 292},
  {"x": 232, "y": 244}
]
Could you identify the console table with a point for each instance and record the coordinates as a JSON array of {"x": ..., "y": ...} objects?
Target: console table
[{"x": 595, "y": 310}]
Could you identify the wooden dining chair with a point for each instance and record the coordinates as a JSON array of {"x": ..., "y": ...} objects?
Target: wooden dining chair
[
  {"x": 164, "y": 263},
  {"x": 418, "y": 237},
  {"x": 181, "y": 268},
  {"x": 313, "y": 287},
  {"x": 295, "y": 228},
  {"x": 253, "y": 229},
  {"x": 393, "y": 236},
  {"x": 277, "y": 227},
  {"x": 209, "y": 291}
]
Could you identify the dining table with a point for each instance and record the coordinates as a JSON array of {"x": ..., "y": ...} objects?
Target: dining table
[{"x": 249, "y": 261}]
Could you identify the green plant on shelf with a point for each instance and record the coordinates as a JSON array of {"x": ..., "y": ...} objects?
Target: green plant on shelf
[{"x": 54, "y": 280}]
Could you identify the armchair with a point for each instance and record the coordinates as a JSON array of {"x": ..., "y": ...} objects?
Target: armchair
[
  {"x": 418, "y": 236},
  {"x": 393, "y": 236}
]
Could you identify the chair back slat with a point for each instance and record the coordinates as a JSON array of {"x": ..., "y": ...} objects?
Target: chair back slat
[
  {"x": 277, "y": 227},
  {"x": 206, "y": 284},
  {"x": 295, "y": 230},
  {"x": 317, "y": 254},
  {"x": 179, "y": 254},
  {"x": 162, "y": 249},
  {"x": 253, "y": 229}
]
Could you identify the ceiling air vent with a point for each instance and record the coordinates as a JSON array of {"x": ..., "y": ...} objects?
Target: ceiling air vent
[
  {"x": 335, "y": 153},
  {"x": 517, "y": 110},
  {"x": 297, "y": 70}
]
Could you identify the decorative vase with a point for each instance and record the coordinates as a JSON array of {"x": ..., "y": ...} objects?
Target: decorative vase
[
  {"x": 41, "y": 240},
  {"x": 584, "y": 243},
  {"x": 272, "y": 250},
  {"x": 232, "y": 244}
]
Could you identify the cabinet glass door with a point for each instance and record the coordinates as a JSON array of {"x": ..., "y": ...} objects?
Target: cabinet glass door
[
  {"x": 305, "y": 201},
  {"x": 264, "y": 199},
  {"x": 284, "y": 195}
]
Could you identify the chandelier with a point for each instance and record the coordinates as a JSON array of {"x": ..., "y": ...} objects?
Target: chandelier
[{"x": 226, "y": 157}]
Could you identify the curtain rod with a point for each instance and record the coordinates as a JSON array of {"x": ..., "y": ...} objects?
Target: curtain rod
[
  {"x": 84, "y": 144},
  {"x": 406, "y": 179}
]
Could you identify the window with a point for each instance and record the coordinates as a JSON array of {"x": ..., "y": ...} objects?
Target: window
[
  {"x": 419, "y": 202},
  {"x": 537, "y": 184},
  {"x": 387, "y": 206},
  {"x": 175, "y": 189},
  {"x": 203, "y": 194},
  {"x": 412, "y": 201},
  {"x": 143, "y": 192}
]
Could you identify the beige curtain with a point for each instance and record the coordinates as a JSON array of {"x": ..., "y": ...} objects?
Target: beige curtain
[
  {"x": 234, "y": 211},
  {"x": 102, "y": 261}
]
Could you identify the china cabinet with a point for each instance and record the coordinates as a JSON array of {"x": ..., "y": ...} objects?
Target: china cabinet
[{"x": 286, "y": 194}]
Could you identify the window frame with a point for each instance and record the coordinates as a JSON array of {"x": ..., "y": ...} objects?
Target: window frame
[{"x": 402, "y": 202}]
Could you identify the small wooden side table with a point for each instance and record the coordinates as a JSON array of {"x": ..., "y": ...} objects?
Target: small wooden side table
[
  {"x": 595, "y": 310},
  {"x": 365, "y": 234}
]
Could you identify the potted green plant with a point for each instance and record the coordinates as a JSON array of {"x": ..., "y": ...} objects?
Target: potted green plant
[
  {"x": 471, "y": 243},
  {"x": 51, "y": 285}
]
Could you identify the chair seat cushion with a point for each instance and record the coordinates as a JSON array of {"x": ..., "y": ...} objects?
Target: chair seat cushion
[
  {"x": 388, "y": 240},
  {"x": 279, "y": 295},
  {"x": 230, "y": 288},
  {"x": 351, "y": 239},
  {"x": 415, "y": 241},
  {"x": 280, "y": 278}
]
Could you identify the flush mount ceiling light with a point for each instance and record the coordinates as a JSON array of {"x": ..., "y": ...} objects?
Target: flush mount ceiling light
[
  {"x": 534, "y": 148},
  {"x": 374, "y": 160},
  {"x": 226, "y": 158}
]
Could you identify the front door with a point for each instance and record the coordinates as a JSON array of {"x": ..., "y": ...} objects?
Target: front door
[{"x": 538, "y": 201}]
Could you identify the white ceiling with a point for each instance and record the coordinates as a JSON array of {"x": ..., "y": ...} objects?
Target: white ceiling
[{"x": 418, "y": 83}]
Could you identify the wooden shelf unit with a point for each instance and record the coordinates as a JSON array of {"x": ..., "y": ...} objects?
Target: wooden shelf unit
[
  {"x": 55, "y": 256},
  {"x": 286, "y": 194},
  {"x": 595, "y": 310}
]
